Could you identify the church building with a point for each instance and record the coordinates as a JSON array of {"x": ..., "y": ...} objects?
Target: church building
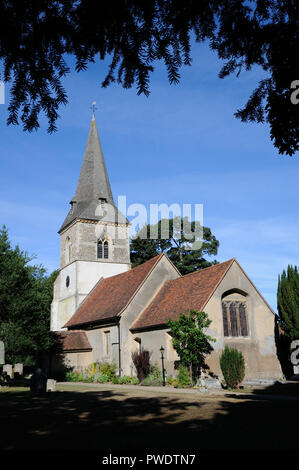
[{"x": 103, "y": 309}]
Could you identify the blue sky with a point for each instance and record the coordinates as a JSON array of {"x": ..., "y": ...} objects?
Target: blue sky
[{"x": 182, "y": 144}]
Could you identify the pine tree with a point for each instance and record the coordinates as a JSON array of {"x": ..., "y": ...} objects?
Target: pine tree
[{"x": 288, "y": 302}]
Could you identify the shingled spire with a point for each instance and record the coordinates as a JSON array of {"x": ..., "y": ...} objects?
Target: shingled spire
[{"x": 93, "y": 185}]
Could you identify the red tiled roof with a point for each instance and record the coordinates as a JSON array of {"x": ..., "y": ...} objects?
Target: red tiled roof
[
  {"x": 111, "y": 295},
  {"x": 181, "y": 295},
  {"x": 72, "y": 340}
]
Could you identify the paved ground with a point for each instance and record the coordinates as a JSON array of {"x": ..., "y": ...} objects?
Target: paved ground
[{"x": 119, "y": 417}]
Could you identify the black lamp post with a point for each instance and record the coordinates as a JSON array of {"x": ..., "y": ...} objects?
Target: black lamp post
[{"x": 163, "y": 370}]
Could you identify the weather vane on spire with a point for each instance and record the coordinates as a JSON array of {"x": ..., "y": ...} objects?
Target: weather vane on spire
[{"x": 93, "y": 108}]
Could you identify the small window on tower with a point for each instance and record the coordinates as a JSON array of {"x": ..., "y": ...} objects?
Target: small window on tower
[
  {"x": 103, "y": 249},
  {"x": 106, "y": 250},
  {"x": 100, "y": 249},
  {"x": 68, "y": 250}
]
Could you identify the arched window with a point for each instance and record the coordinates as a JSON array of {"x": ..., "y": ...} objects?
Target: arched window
[
  {"x": 106, "y": 249},
  {"x": 234, "y": 314},
  {"x": 103, "y": 249}
]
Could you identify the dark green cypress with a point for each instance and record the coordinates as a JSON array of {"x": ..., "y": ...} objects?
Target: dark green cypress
[{"x": 288, "y": 302}]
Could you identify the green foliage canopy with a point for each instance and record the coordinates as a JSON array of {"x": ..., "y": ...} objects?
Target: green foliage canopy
[
  {"x": 288, "y": 302},
  {"x": 190, "y": 341},
  {"x": 25, "y": 298},
  {"x": 233, "y": 367},
  {"x": 175, "y": 244},
  {"x": 37, "y": 37}
]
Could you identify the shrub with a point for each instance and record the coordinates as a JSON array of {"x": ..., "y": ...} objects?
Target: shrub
[
  {"x": 141, "y": 361},
  {"x": 105, "y": 368},
  {"x": 103, "y": 379},
  {"x": 175, "y": 383},
  {"x": 93, "y": 368},
  {"x": 151, "y": 380},
  {"x": 70, "y": 376},
  {"x": 170, "y": 380},
  {"x": 183, "y": 377},
  {"x": 233, "y": 367},
  {"x": 155, "y": 371},
  {"x": 126, "y": 379},
  {"x": 135, "y": 380},
  {"x": 73, "y": 376},
  {"x": 88, "y": 379},
  {"x": 115, "y": 380}
]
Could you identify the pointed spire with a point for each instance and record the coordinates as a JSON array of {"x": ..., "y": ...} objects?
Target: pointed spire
[
  {"x": 93, "y": 180},
  {"x": 93, "y": 184}
]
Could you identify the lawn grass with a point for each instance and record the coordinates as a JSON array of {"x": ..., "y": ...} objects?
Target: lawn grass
[{"x": 86, "y": 418}]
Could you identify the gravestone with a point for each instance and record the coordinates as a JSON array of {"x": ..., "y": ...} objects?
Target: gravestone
[
  {"x": 2, "y": 353},
  {"x": 51, "y": 385},
  {"x": 38, "y": 382},
  {"x": 18, "y": 369},
  {"x": 7, "y": 368}
]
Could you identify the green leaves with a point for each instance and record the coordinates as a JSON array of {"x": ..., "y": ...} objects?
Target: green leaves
[
  {"x": 25, "y": 298},
  {"x": 233, "y": 367},
  {"x": 288, "y": 302},
  {"x": 190, "y": 340},
  {"x": 37, "y": 37},
  {"x": 153, "y": 239}
]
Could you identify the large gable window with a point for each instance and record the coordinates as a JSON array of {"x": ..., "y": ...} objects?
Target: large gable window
[{"x": 234, "y": 314}]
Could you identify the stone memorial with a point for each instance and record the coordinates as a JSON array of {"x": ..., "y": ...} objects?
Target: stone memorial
[
  {"x": 38, "y": 382},
  {"x": 51, "y": 385},
  {"x": 2, "y": 353},
  {"x": 7, "y": 368},
  {"x": 18, "y": 368}
]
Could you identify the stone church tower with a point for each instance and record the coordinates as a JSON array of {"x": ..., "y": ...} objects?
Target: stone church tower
[{"x": 94, "y": 236}]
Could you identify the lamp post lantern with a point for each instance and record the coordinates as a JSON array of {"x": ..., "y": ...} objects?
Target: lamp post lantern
[{"x": 163, "y": 370}]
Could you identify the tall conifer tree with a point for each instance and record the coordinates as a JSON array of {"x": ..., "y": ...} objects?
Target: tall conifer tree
[{"x": 288, "y": 302}]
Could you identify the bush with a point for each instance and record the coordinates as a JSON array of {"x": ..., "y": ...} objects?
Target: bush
[
  {"x": 155, "y": 371},
  {"x": 89, "y": 379},
  {"x": 115, "y": 380},
  {"x": 183, "y": 377},
  {"x": 73, "y": 376},
  {"x": 105, "y": 368},
  {"x": 151, "y": 380},
  {"x": 135, "y": 380},
  {"x": 70, "y": 376},
  {"x": 233, "y": 367},
  {"x": 175, "y": 383},
  {"x": 170, "y": 380},
  {"x": 103, "y": 379},
  {"x": 141, "y": 361},
  {"x": 126, "y": 379}
]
